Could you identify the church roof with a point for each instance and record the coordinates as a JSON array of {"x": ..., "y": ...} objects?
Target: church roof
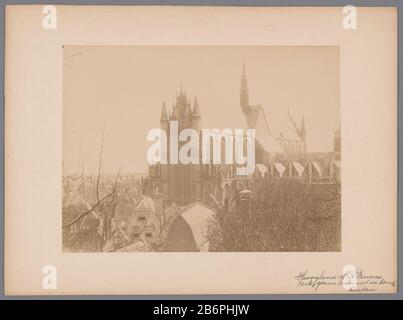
[
  {"x": 256, "y": 119},
  {"x": 269, "y": 143},
  {"x": 267, "y": 137},
  {"x": 280, "y": 168},
  {"x": 262, "y": 169},
  {"x": 298, "y": 167},
  {"x": 253, "y": 115},
  {"x": 285, "y": 128},
  {"x": 317, "y": 167}
]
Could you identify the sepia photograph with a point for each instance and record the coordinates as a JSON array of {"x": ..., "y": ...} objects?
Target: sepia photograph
[
  {"x": 191, "y": 151},
  {"x": 123, "y": 193}
]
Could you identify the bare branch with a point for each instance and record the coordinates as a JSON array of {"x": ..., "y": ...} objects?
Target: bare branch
[
  {"x": 87, "y": 212},
  {"x": 73, "y": 178}
]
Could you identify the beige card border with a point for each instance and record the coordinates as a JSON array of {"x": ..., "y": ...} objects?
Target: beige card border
[{"x": 33, "y": 98}]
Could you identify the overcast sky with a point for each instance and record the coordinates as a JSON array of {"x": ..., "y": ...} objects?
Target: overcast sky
[{"x": 120, "y": 90}]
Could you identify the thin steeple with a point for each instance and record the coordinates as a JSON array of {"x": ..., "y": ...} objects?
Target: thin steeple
[
  {"x": 196, "y": 111},
  {"x": 172, "y": 115},
  {"x": 164, "y": 114}
]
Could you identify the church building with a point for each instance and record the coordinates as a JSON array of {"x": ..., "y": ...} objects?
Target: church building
[
  {"x": 290, "y": 142},
  {"x": 181, "y": 184},
  {"x": 278, "y": 155}
]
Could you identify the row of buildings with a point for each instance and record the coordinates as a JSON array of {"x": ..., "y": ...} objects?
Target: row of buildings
[{"x": 282, "y": 156}]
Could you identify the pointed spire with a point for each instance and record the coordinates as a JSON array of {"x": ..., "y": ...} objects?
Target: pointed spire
[
  {"x": 188, "y": 110},
  {"x": 172, "y": 116},
  {"x": 196, "y": 111},
  {"x": 164, "y": 114},
  {"x": 244, "y": 94},
  {"x": 303, "y": 130}
]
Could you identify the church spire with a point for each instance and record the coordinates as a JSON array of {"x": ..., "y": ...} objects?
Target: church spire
[
  {"x": 196, "y": 116},
  {"x": 164, "y": 121},
  {"x": 244, "y": 94},
  {"x": 164, "y": 114},
  {"x": 196, "y": 111}
]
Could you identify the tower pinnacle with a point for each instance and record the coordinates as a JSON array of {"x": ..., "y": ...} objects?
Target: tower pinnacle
[
  {"x": 164, "y": 114},
  {"x": 244, "y": 94},
  {"x": 196, "y": 111}
]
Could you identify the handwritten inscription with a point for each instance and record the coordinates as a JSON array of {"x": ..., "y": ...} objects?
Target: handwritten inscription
[{"x": 359, "y": 282}]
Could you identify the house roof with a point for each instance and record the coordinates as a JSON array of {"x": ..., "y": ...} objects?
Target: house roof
[
  {"x": 269, "y": 143},
  {"x": 298, "y": 167},
  {"x": 253, "y": 116},
  {"x": 146, "y": 204},
  {"x": 317, "y": 167},
  {"x": 285, "y": 128},
  {"x": 256, "y": 119},
  {"x": 198, "y": 217},
  {"x": 262, "y": 169},
  {"x": 279, "y": 167}
]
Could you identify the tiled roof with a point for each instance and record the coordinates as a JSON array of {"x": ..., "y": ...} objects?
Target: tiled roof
[
  {"x": 146, "y": 204},
  {"x": 279, "y": 167},
  {"x": 262, "y": 169},
  {"x": 317, "y": 167},
  {"x": 298, "y": 167},
  {"x": 198, "y": 217}
]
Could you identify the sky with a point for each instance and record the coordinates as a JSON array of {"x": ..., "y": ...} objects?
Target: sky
[{"x": 117, "y": 92}]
